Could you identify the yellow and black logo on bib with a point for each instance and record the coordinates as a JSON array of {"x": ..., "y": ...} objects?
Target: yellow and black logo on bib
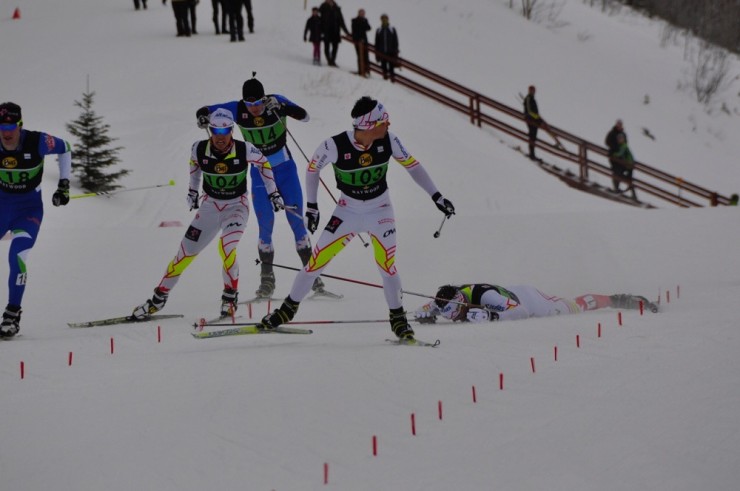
[
  {"x": 221, "y": 168},
  {"x": 365, "y": 159},
  {"x": 9, "y": 163},
  {"x": 258, "y": 121}
]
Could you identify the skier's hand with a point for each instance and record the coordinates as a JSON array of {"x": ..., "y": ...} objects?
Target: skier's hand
[
  {"x": 272, "y": 104},
  {"x": 277, "y": 201},
  {"x": 61, "y": 195},
  {"x": 425, "y": 317},
  {"x": 202, "y": 117},
  {"x": 312, "y": 217},
  {"x": 443, "y": 205},
  {"x": 193, "y": 199},
  {"x": 481, "y": 315}
]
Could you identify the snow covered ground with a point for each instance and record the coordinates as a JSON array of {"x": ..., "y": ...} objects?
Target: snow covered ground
[{"x": 650, "y": 404}]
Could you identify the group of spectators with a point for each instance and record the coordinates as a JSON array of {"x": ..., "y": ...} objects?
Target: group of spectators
[
  {"x": 227, "y": 16},
  {"x": 327, "y": 24}
]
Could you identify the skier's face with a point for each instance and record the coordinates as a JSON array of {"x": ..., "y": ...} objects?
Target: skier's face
[
  {"x": 10, "y": 134},
  {"x": 222, "y": 141}
]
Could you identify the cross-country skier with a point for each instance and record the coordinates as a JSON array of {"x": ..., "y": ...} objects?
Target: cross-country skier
[
  {"x": 360, "y": 158},
  {"x": 262, "y": 121},
  {"x": 222, "y": 163},
  {"x": 22, "y": 155},
  {"x": 479, "y": 302}
]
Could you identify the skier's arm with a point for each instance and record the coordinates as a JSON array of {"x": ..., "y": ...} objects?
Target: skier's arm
[
  {"x": 255, "y": 157},
  {"x": 290, "y": 108},
  {"x": 412, "y": 166},
  {"x": 195, "y": 172},
  {"x": 50, "y": 145},
  {"x": 324, "y": 155}
]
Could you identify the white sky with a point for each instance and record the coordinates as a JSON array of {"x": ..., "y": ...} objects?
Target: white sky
[{"x": 648, "y": 405}]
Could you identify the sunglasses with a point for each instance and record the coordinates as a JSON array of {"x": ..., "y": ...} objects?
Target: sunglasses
[
  {"x": 8, "y": 127},
  {"x": 258, "y": 102},
  {"x": 221, "y": 130}
]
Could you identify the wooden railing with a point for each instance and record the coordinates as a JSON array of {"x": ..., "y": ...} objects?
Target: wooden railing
[{"x": 559, "y": 144}]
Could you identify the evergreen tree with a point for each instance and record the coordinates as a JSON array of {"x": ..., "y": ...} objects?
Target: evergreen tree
[{"x": 92, "y": 152}]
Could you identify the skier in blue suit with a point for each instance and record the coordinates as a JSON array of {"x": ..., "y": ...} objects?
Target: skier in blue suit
[
  {"x": 262, "y": 121},
  {"x": 22, "y": 155}
]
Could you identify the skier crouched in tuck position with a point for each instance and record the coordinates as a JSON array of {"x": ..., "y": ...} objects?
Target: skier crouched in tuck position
[
  {"x": 360, "y": 158},
  {"x": 223, "y": 164},
  {"x": 480, "y": 302}
]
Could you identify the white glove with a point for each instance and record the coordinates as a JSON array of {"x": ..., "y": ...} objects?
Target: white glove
[
  {"x": 272, "y": 104},
  {"x": 425, "y": 317},
  {"x": 277, "y": 201},
  {"x": 481, "y": 315},
  {"x": 193, "y": 199}
]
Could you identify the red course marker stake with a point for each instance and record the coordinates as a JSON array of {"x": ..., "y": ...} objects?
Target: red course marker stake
[
  {"x": 531, "y": 362},
  {"x": 111, "y": 346},
  {"x": 326, "y": 473},
  {"x": 578, "y": 340},
  {"x": 23, "y": 370},
  {"x": 439, "y": 409},
  {"x": 501, "y": 381},
  {"x": 555, "y": 353},
  {"x": 413, "y": 424},
  {"x": 619, "y": 318},
  {"x": 475, "y": 399},
  {"x": 69, "y": 359},
  {"x": 375, "y": 446}
]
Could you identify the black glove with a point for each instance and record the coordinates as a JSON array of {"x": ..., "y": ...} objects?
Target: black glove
[
  {"x": 61, "y": 195},
  {"x": 312, "y": 217},
  {"x": 444, "y": 205},
  {"x": 193, "y": 199},
  {"x": 277, "y": 201},
  {"x": 202, "y": 116}
]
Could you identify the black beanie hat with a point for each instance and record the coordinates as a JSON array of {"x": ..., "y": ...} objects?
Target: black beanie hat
[
  {"x": 252, "y": 89},
  {"x": 10, "y": 113}
]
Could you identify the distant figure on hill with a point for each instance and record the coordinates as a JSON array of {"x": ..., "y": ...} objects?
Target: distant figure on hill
[
  {"x": 360, "y": 26},
  {"x": 620, "y": 157},
  {"x": 386, "y": 44},
  {"x": 180, "y": 8},
  {"x": 313, "y": 32},
  {"x": 139, "y": 3},
  {"x": 332, "y": 22},
  {"x": 219, "y": 4},
  {"x": 482, "y": 302},
  {"x": 533, "y": 119}
]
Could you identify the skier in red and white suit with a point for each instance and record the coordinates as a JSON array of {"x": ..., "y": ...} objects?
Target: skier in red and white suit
[{"x": 479, "y": 302}]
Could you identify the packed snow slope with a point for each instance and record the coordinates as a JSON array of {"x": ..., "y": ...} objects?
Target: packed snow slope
[{"x": 648, "y": 404}]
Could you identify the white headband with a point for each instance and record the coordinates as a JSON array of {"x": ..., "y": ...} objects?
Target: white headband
[{"x": 369, "y": 120}]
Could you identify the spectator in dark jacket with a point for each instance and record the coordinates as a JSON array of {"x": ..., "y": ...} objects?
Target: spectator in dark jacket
[
  {"x": 360, "y": 26},
  {"x": 613, "y": 145},
  {"x": 180, "y": 8},
  {"x": 313, "y": 31},
  {"x": 332, "y": 22},
  {"x": 224, "y": 16},
  {"x": 532, "y": 118},
  {"x": 386, "y": 45}
]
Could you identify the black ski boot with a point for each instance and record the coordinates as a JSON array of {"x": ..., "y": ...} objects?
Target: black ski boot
[
  {"x": 400, "y": 325},
  {"x": 151, "y": 306},
  {"x": 284, "y": 314},
  {"x": 267, "y": 277},
  {"x": 11, "y": 321},
  {"x": 229, "y": 299}
]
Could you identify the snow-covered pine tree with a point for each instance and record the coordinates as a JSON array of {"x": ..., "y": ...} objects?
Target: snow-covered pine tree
[{"x": 92, "y": 152}]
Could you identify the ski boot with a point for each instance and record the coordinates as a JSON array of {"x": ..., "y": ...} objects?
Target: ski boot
[
  {"x": 400, "y": 325},
  {"x": 267, "y": 285},
  {"x": 11, "y": 321},
  {"x": 151, "y": 306},
  {"x": 626, "y": 301},
  {"x": 284, "y": 314},
  {"x": 229, "y": 300}
]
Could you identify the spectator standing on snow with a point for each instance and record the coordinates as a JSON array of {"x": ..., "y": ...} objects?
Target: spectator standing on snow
[
  {"x": 360, "y": 27},
  {"x": 386, "y": 45},
  {"x": 332, "y": 22},
  {"x": 313, "y": 31}
]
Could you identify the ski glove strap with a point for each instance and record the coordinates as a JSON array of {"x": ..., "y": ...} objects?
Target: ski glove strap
[
  {"x": 443, "y": 205},
  {"x": 61, "y": 195},
  {"x": 312, "y": 217}
]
